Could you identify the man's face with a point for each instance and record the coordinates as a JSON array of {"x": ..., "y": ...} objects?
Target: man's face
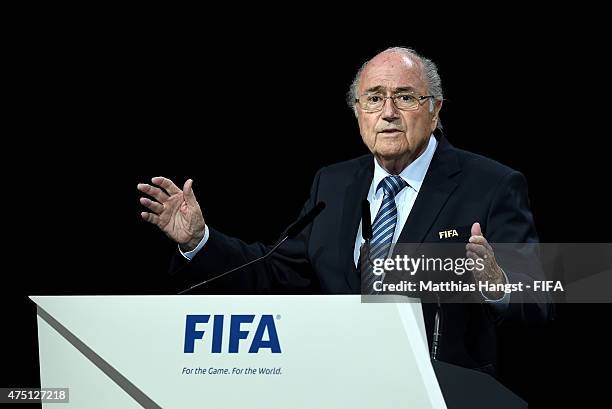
[{"x": 392, "y": 134}]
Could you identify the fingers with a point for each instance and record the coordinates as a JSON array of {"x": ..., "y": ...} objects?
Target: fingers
[
  {"x": 150, "y": 217},
  {"x": 476, "y": 231},
  {"x": 477, "y": 237},
  {"x": 166, "y": 184},
  {"x": 472, "y": 255},
  {"x": 188, "y": 193},
  {"x": 481, "y": 241},
  {"x": 154, "y": 192},
  {"x": 155, "y": 207},
  {"x": 478, "y": 240},
  {"x": 477, "y": 249}
]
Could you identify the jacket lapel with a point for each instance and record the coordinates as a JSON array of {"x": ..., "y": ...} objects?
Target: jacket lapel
[
  {"x": 435, "y": 191},
  {"x": 356, "y": 191}
]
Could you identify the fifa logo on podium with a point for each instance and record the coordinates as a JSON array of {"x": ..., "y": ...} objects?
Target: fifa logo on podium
[{"x": 265, "y": 328}]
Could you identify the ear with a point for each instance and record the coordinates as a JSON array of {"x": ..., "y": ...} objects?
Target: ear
[
  {"x": 437, "y": 107},
  {"x": 435, "y": 114}
]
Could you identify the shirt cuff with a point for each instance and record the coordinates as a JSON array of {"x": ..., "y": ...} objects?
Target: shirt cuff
[
  {"x": 502, "y": 303},
  {"x": 191, "y": 254}
]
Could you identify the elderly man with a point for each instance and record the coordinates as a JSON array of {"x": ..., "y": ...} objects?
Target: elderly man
[{"x": 417, "y": 185}]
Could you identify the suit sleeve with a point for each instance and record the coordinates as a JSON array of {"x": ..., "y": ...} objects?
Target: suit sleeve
[
  {"x": 510, "y": 220},
  {"x": 287, "y": 270}
]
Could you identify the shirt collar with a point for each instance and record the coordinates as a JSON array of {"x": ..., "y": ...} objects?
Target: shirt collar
[{"x": 413, "y": 174}]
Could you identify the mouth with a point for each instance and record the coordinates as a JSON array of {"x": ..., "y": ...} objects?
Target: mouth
[{"x": 390, "y": 131}]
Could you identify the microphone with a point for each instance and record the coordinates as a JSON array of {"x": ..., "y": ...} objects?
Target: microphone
[
  {"x": 301, "y": 223},
  {"x": 293, "y": 230},
  {"x": 366, "y": 221},
  {"x": 366, "y": 229}
]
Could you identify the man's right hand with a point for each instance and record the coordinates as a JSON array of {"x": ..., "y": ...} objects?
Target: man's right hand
[{"x": 177, "y": 212}]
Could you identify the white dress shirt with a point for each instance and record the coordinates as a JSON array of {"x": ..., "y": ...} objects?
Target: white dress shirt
[{"x": 413, "y": 174}]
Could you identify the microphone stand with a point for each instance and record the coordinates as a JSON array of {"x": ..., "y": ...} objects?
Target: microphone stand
[{"x": 437, "y": 334}]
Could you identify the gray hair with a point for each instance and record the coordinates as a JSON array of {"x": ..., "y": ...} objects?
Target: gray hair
[{"x": 429, "y": 70}]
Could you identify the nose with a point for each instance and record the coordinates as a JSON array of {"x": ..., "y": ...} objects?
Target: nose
[{"x": 389, "y": 111}]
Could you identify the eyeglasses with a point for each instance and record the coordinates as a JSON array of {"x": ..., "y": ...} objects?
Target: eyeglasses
[{"x": 402, "y": 100}]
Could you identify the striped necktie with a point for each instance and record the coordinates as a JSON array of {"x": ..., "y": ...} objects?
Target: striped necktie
[{"x": 383, "y": 227}]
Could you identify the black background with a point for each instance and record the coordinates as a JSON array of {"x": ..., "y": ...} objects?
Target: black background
[{"x": 251, "y": 116}]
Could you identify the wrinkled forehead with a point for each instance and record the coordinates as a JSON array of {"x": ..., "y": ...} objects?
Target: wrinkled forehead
[{"x": 390, "y": 71}]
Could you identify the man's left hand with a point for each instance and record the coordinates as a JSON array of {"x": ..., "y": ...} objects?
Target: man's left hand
[{"x": 479, "y": 247}]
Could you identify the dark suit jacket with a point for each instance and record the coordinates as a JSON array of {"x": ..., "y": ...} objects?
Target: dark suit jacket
[{"x": 459, "y": 189}]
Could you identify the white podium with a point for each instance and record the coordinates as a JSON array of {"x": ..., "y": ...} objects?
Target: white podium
[{"x": 235, "y": 352}]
